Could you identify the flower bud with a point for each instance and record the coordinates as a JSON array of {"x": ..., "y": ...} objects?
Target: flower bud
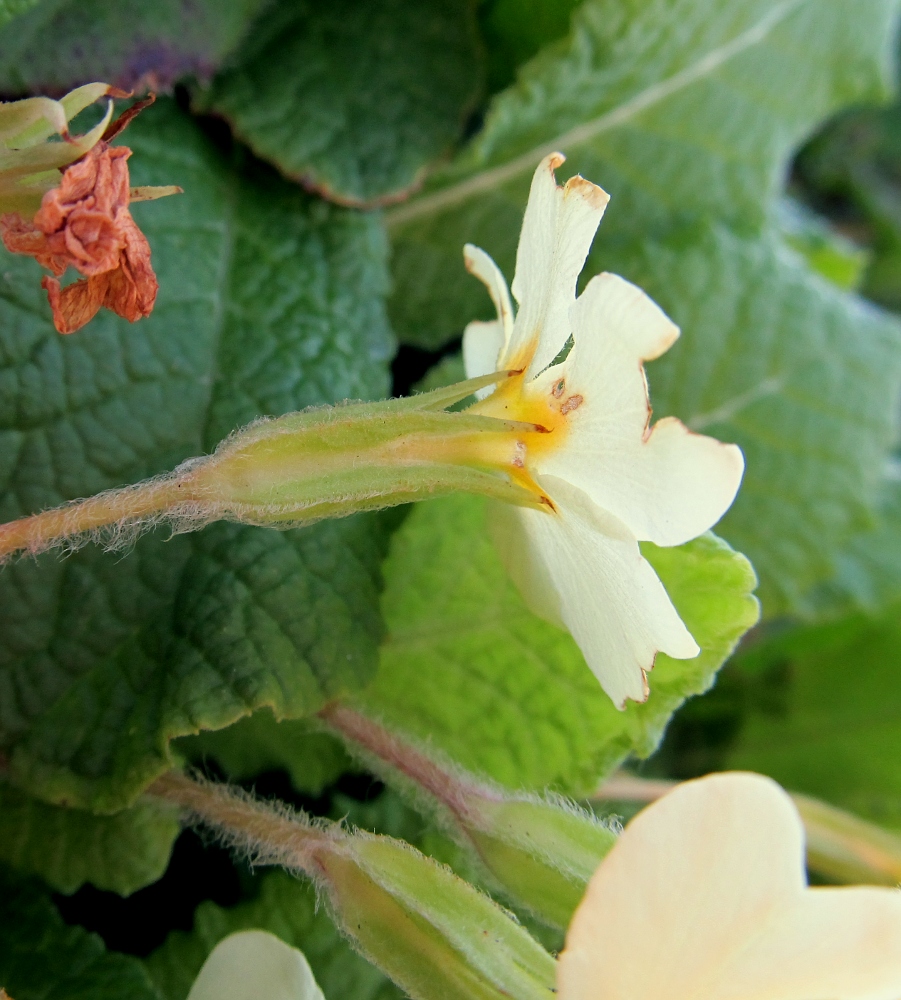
[
  {"x": 435, "y": 935},
  {"x": 540, "y": 852}
]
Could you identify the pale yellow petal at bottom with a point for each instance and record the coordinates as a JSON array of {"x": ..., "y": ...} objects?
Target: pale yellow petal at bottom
[
  {"x": 608, "y": 596},
  {"x": 255, "y": 965},
  {"x": 704, "y": 898}
]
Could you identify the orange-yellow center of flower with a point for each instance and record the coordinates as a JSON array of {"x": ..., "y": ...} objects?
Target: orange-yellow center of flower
[{"x": 547, "y": 411}]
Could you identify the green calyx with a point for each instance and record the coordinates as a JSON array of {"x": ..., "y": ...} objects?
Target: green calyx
[
  {"x": 327, "y": 461},
  {"x": 542, "y": 853},
  {"x": 435, "y": 935},
  {"x": 334, "y": 461},
  {"x": 30, "y": 159},
  {"x": 539, "y": 851}
]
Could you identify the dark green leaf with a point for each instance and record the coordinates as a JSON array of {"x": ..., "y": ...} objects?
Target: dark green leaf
[
  {"x": 269, "y": 302},
  {"x": 354, "y": 100},
  {"x": 41, "y": 958},
  {"x": 60, "y": 44},
  {"x": 515, "y": 30},
  {"x": 469, "y": 668}
]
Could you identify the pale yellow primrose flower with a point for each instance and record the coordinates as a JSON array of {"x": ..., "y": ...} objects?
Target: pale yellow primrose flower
[
  {"x": 255, "y": 965},
  {"x": 609, "y": 480},
  {"x": 704, "y": 897}
]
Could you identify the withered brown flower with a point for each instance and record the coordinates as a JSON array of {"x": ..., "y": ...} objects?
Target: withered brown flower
[{"x": 85, "y": 222}]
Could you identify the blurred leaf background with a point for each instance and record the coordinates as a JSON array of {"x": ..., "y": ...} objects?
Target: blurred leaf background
[{"x": 335, "y": 157}]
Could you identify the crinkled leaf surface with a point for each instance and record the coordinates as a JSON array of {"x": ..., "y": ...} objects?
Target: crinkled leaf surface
[
  {"x": 803, "y": 376},
  {"x": 833, "y": 727},
  {"x": 287, "y": 908},
  {"x": 60, "y": 44},
  {"x": 41, "y": 958},
  {"x": 354, "y": 100},
  {"x": 687, "y": 112},
  {"x": 69, "y": 847},
  {"x": 269, "y": 302},
  {"x": 869, "y": 565},
  {"x": 468, "y": 667}
]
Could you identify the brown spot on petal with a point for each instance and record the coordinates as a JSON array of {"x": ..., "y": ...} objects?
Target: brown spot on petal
[
  {"x": 559, "y": 388},
  {"x": 86, "y": 223},
  {"x": 594, "y": 195},
  {"x": 573, "y": 403}
]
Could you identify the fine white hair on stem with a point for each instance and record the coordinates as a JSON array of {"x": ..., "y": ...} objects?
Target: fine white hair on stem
[{"x": 79, "y": 522}]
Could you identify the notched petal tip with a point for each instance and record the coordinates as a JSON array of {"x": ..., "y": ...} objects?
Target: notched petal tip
[
  {"x": 551, "y": 162},
  {"x": 577, "y": 186},
  {"x": 593, "y": 194}
]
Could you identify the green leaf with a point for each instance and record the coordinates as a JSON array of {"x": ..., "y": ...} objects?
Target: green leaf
[
  {"x": 353, "y": 101},
  {"x": 833, "y": 728},
  {"x": 63, "y": 43},
  {"x": 869, "y": 566},
  {"x": 259, "y": 743},
  {"x": 41, "y": 958},
  {"x": 813, "y": 411},
  {"x": 469, "y": 668},
  {"x": 69, "y": 847},
  {"x": 286, "y": 908},
  {"x": 689, "y": 108},
  {"x": 269, "y": 302},
  {"x": 688, "y": 112}
]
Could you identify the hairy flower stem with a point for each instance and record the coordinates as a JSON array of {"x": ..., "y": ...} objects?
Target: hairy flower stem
[
  {"x": 841, "y": 847},
  {"x": 386, "y": 747},
  {"x": 325, "y": 462},
  {"x": 84, "y": 518},
  {"x": 435, "y": 935},
  {"x": 270, "y": 836}
]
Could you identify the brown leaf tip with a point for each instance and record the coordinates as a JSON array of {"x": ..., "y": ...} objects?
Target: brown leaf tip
[{"x": 85, "y": 223}]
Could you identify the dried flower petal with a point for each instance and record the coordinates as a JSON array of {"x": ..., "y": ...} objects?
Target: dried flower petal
[{"x": 86, "y": 223}]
